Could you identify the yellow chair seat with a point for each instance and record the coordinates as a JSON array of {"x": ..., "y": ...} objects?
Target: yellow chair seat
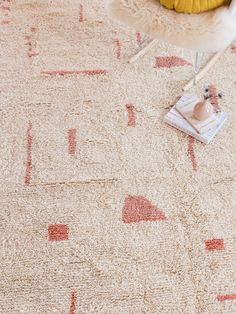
[{"x": 192, "y": 6}]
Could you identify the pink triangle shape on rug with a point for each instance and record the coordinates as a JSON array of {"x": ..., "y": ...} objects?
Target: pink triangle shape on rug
[{"x": 138, "y": 208}]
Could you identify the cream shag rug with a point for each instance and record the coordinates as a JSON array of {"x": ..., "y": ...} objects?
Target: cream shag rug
[{"x": 104, "y": 209}]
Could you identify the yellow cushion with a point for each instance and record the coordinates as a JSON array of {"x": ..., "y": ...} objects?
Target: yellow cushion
[{"x": 192, "y": 6}]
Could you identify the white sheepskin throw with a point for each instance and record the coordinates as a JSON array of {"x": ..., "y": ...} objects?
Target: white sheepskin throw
[{"x": 206, "y": 32}]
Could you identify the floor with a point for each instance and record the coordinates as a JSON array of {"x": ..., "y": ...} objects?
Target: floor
[{"x": 104, "y": 208}]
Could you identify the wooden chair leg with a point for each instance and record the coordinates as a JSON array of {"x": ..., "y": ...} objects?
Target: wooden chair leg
[{"x": 143, "y": 51}]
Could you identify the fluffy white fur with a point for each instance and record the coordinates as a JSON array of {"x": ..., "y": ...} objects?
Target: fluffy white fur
[{"x": 207, "y": 32}]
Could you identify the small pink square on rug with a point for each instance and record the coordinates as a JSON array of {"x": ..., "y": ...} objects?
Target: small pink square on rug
[
  {"x": 57, "y": 232},
  {"x": 214, "y": 245}
]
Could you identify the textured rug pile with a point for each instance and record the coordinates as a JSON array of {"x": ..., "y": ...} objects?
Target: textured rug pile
[{"x": 103, "y": 208}]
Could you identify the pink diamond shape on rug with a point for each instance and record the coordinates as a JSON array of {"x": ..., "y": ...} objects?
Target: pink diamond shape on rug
[
  {"x": 138, "y": 208},
  {"x": 57, "y": 232}
]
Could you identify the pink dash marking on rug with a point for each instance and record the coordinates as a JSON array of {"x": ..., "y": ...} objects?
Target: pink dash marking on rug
[
  {"x": 6, "y": 8},
  {"x": 72, "y": 141},
  {"x": 5, "y": 22},
  {"x": 81, "y": 13},
  {"x": 57, "y": 232},
  {"x": 170, "y": 62},
  {"x": 226, "y": 297},
  {"x": 214, "y": 97},
  {"x": 138, "y": 38},
  {"x": 191, "y": 153},
  {"x": 32, "y": 54},
  {"x": 131, "y": 115},
  {"x": 214, "y": 245},
  {"x": 73, "y": 300},
  {"x": 233, "y": 49},
  {"x": 29, "y": 154},
  {"x": 138, "y": 208},
  {"x": 86, "y": 72},
  {"x": 29, "y": 39},
  {"x": 118, "y": 49}
]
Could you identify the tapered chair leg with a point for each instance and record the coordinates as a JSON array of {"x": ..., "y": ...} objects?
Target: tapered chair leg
[{"x": 144, "y": 51}]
